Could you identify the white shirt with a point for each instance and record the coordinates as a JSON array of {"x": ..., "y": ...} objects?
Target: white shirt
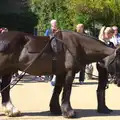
[{"x": 115, "y": 40}]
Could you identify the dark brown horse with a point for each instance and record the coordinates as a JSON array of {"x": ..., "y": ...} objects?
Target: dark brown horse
[{"x": 19, "y": 51}]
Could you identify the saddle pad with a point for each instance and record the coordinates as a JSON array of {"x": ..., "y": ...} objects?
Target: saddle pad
[{"x": 36, "y": 44}]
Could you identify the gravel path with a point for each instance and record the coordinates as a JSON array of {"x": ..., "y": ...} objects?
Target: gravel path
[{"x": 32, "y": 99}]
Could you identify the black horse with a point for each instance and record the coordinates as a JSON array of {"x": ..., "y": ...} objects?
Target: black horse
[
  {"x": 111, "y": 64},
  {"x": 34, "y": 55}
]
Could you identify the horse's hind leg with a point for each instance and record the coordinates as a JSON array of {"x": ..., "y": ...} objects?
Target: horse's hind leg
[
  {"x": 9, "y": 108},
  {"x": 54, "y": 103},
  {"x": 66, "y": 108},
  {"x": 103, "y": 79}
]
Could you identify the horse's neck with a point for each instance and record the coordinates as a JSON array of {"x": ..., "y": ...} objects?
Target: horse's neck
[
  {"x": 109, "y": 59},
  {"x": 109, "y": 51},
  {"x": 98, "y": 53},
  {"x": 98, "y": 48}
]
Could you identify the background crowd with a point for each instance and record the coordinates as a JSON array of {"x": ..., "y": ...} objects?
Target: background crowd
[{"x": 109, "y": 35}]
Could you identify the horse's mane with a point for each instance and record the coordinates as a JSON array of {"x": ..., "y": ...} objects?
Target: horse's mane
[{"x": 85, "y": 35}]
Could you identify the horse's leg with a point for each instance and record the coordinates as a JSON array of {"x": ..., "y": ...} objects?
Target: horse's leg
[
  {"x": 54, "y": 103},
  {"x": 9, "y": 108},
  {"x": 66, "y": 108},
  {"x": 103, "y": 79}
]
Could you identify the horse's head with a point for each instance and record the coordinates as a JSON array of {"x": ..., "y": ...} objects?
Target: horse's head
[{"x": 114, "y": 66}]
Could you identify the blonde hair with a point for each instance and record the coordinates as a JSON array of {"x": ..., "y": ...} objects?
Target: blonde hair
[
  {"x": 79, "y": 25},
  {"x": 104, "y": 30},
  {"x": 109, "y": 30},
  {"x": 80, "y": 28}
]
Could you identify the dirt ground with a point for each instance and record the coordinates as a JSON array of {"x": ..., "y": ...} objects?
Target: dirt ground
[{"x": 32, "y": 99}]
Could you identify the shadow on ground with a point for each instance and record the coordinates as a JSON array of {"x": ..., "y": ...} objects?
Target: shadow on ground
[
  {"x": 79, "y": 113},
  {"x": 44, "y": 113},
  {"x": 93, "y": 113},
  {"x": 86, "y": 83}
]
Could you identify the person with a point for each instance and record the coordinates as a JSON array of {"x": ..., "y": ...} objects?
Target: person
[
  {"x": 116, "y": 36},
  {"x": 106, "y": 33},
  {"x": 50, "y": 32},
  {"x": 88, "y": 68},
  {"x": 80, "y": 29},
  {"x": 53, "y": 29}
]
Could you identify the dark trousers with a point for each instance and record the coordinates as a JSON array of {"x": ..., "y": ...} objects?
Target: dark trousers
[{"x": 82, "y": 75}]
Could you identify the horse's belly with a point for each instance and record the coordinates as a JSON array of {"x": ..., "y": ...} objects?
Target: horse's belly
[
  {"x": 43, "y": 65},
  {"x": 40, "y": 66}
]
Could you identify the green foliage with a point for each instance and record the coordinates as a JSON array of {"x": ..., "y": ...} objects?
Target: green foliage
[
  {"x": 102, "y": 11},
  {"x": 47, "y": 10},
  {"x": 17, "y": 17},
  {"x": 68, "y": 13},
  {"x": 20, "y": 22}
]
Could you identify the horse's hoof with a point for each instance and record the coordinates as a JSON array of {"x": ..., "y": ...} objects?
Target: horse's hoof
[
  {"x": 10, "y": 110},
  {"x": 69, "y": 114},
  {"x": 12, "y": 114}
]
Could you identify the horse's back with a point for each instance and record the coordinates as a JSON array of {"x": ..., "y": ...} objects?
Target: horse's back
[
  {"x": 9, "y": 41},
  {"x": 36, "y": 44}
]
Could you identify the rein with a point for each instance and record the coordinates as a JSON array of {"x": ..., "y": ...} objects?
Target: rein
[{"x": 24, "y": 71}]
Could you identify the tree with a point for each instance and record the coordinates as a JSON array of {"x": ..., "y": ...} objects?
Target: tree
[
  {"x": 51, "y": 9},
  {"x": 105, "y": 12},
  {"x": 17, "y": 16}
]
